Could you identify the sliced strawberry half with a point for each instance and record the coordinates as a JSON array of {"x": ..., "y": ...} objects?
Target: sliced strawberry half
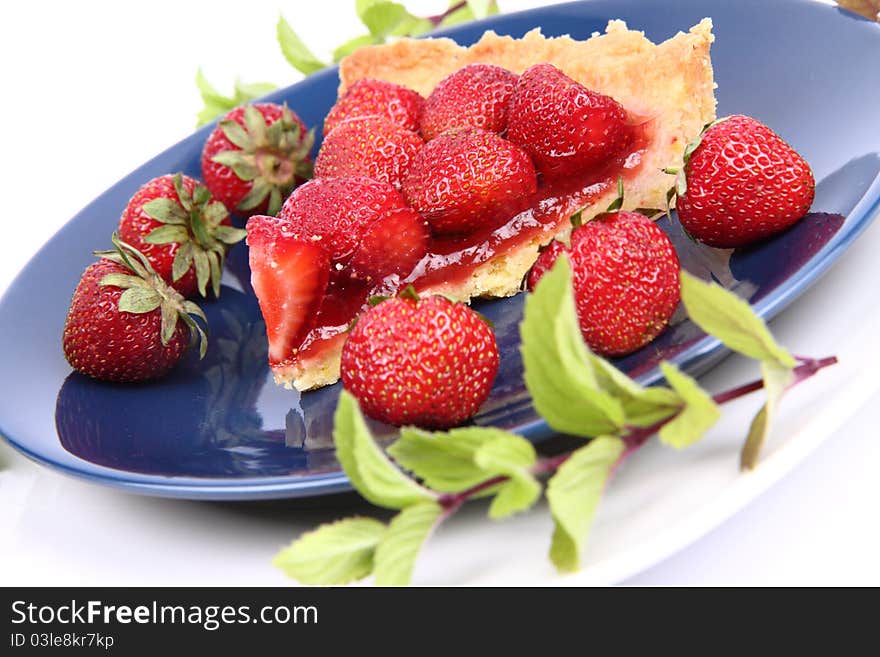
[
  {"x": 289, "y": 275},
  {"x": 393, "y": 245}
]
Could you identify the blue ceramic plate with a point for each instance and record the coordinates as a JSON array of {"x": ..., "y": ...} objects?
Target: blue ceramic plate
[{"x": 220, "y": 429}]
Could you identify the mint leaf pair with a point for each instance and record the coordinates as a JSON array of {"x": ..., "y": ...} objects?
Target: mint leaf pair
[
  {"x": 731, "y": 320},
  {"x": 460, "y": 459}
]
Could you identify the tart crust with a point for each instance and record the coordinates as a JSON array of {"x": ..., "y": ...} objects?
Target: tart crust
[{"x": 669, "y": 84}]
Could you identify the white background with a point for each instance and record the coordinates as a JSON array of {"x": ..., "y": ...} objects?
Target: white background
[{"x": 89, "y": 91}]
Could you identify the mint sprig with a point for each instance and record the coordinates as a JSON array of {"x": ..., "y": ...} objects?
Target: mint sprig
[
  {"x": 428, "y": 475},
  {"x": 382, "y": 20}
]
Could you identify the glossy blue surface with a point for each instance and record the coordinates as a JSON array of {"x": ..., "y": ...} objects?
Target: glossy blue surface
[{"x": 220, "y": 429}]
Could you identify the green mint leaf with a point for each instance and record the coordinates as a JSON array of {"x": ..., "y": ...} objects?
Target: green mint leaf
[
  {"x": 482, "y": 8},
  {"x": 776, "y": 381},
  {"x": 458, "y": 17},
  {"x": 445, "y": 461},
  {"x": 512, "y": 456},
  {"x": 370, "y": 471},
  {"x": 351, "y": 45},
  {"x": 295, "y": 51},
  {"x": 216, "y": 104},
  {"x": 336, "y": 553},
  {"x": 506, "y": 454},
  {"x": 472, "y": 10},
  {"x": 730, "y": 319},
  {"x": 245, "y": 92},
  {"x": 574, "y": 493},
  {"x": 558, "y": 372},
  {"x": 209, "y": 93},
  {"x": 516, "y": 495},
  {"x": 361, "y": 6},
  {"x": 412, "y": 26},
  {"x": 399, "y": 547},
  {"x": 381, "y": 18},
  {"x": 699, "y": 413},
  {"x": 642, "y": 406}
]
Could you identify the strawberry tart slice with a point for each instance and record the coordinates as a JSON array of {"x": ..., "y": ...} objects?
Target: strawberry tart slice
[{"x": 448, "y": 168}]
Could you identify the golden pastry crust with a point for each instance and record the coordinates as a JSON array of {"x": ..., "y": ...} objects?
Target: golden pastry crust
[{"x": 670, "y": 84}]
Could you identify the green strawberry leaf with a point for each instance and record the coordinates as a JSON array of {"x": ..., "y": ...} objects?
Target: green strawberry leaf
[
  {"x": 574, "y": 493},
  {"x": 168, "y": 234},
  {"x": 558, "y": 372},
  {"x": 730, "y": 319},
  {"x": 776, "y": 381},
  {"x": 370, "y": 471},
  {"x": 139, "y": 300},
  {"x": 165, "y": 211},
  {"x": 400, "y": 545},
  {"x": 336, "y": 553},
  {"x": 698, "y": 415},
  {"x": 295, "y": 51}
]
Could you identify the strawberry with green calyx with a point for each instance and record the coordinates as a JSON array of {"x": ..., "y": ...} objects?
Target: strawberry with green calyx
[
  {"x": 125, "y": 323},
  {"x": 184, "y": 233},
  {"x": 740, "y": 183},
  {"x": 256, "y": 156},
  {"x": 425, "y": 361}
]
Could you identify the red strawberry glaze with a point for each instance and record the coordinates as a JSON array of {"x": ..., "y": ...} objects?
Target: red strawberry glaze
[{"x": 452, "y": 259}]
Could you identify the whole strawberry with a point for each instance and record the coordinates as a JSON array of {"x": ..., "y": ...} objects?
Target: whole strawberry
[
  {"x": 566, "y": 128},
  {"x": 468, "y": 180},
  {"x": 125, "y": 324},
  {"x": 741, "y": 183},
  {"x": 429, "y": 362},
  {"x": 369, "y": 97},
  {"x": 289, "y": 274},
  {"x": 255, "y": 156},
  {"x": 370, "y": 146},
  {"x": 182, "y": 230},
  {"x": 626, "y": 280},
  {"x": 475, "y": 96},
  {"x": 342, "y": 213}
]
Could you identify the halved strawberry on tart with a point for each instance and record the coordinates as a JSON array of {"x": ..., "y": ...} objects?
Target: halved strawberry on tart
[{"x": 519, "y": 134}]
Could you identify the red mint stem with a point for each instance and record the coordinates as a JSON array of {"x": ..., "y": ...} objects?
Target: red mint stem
[
  {"x": 634, "y": 438},
  {"x": 436, "y": 20}
]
